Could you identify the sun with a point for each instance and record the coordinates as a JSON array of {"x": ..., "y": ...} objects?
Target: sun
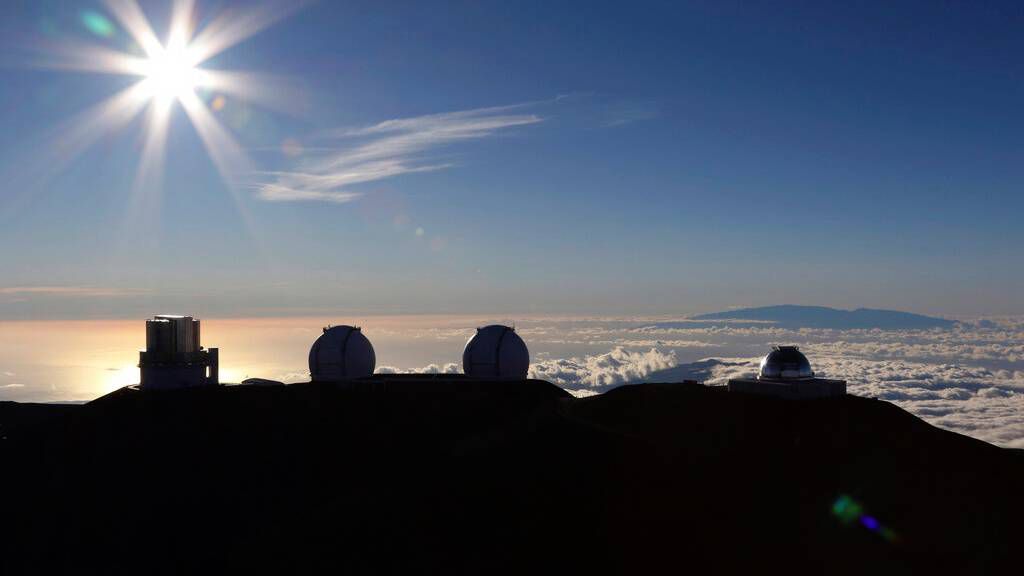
[{"x": 170, "y": 75}]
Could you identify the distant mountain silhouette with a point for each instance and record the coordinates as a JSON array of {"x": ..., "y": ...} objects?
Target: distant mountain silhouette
[
  {"x": 792, "y": 316},
  {"x": 398, "y": 474}
]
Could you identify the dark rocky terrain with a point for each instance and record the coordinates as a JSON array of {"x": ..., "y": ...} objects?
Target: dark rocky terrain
[{"x": 419, "y": 474}]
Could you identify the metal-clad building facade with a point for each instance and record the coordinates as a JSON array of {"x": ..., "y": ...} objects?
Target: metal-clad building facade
[{"x": 174, "y": 357}]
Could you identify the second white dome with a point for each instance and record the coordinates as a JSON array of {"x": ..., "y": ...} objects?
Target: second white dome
[
  {"x": 341, "y": 353},
  {"x": 496, "y": 351}
]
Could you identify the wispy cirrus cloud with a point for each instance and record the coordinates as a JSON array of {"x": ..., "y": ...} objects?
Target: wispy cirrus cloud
[
  {"x": 69, "y": 291},
  {"x": 385, "y": 150},
  {"x": 622, "y": 113}
]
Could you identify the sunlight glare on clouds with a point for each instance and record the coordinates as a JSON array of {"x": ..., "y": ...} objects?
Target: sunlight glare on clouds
[{"x": 120, "y": 377}]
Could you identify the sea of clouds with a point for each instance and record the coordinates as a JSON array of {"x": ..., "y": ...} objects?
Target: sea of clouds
[{"x": 969, "y": 378}]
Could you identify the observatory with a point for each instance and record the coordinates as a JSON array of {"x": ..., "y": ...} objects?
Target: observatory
[
  {"x": 496, "y": 351},
  {"x": 341, "y": 353},
  {"x": 785, "y": 372},
  {"x": 173, "y": 357}
]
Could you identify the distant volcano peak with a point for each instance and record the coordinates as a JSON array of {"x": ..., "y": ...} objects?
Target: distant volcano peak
[{"x": 795, "y": 316}]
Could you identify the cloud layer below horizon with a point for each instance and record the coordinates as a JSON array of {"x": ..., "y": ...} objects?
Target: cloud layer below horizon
[{"x": 969, "y": 379}]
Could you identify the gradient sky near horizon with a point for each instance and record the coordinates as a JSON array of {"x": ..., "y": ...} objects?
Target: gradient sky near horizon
[{"x": 533, "y": 157}]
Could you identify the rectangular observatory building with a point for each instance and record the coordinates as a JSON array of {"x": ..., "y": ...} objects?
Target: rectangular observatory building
[{"x": 174, "y": 357}]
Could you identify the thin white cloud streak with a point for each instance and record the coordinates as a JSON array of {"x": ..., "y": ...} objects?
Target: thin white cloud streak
[
  {"x": 279, "y": 193},
  {"x": 385, "y": 150},
  {"x": 68, "y": 291},
  {"x": 629, "y": 112}
]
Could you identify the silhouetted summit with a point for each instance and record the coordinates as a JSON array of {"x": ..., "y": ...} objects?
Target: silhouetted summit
[
  {"x": 447, "y": 474},
  {"x": 791, "y": 316}
]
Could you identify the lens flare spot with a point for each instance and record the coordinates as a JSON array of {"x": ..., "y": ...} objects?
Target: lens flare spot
[
  {"x": 218, "y": 103},
  {"x": 291, "y": 147},
  {"x": 888, "y": 534},
  {"x": 97, "y": 24},
  {"x": 846, "y": 509}
]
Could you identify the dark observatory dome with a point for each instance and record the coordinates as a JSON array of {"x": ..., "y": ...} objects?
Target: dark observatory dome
[{"x": 785, "y": 362}]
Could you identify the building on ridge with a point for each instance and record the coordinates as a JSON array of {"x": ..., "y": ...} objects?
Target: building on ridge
[
  {"x": 341, "y": 353},
  {"x": 786, "y": 373},
  {"x": 173, "y": 357},
  {"x": 496, "y": 351}
]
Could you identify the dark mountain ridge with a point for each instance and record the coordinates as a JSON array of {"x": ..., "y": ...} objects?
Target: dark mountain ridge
[{"x": 446, "y": 474}]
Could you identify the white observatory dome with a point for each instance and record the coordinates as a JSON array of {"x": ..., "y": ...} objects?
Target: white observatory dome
[
  {"x": 783, "y": 363},
  {"x": 496, "y": 352},
  {"x": 341, "y": 353}
]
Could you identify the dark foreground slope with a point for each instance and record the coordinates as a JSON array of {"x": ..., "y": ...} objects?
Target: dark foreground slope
[{"x": 420, "y": 475}]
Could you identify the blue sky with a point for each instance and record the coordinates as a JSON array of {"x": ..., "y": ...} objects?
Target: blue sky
[{"x": 535, "y": 157}]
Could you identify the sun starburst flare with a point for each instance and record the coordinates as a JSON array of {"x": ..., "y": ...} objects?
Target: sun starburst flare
[{"x": 170, "y": 73}]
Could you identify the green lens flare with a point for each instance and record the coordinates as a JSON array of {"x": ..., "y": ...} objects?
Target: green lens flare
[
  {"x": 846, "y": 509},
  {"x": 97, "y": 24}
]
